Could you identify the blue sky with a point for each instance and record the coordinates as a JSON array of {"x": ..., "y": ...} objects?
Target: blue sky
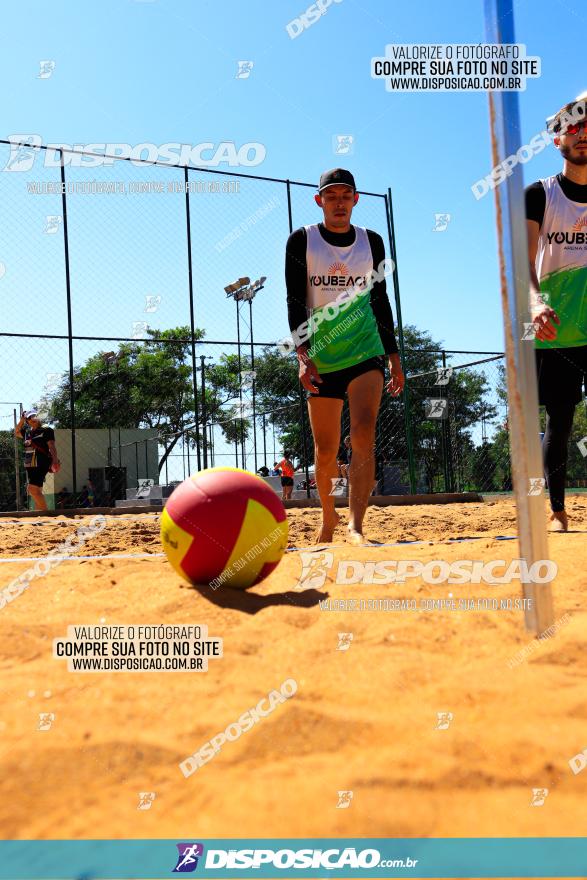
[{"x": 165, "y": 71}]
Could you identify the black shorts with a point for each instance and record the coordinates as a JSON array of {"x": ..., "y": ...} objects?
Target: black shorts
[
  {"x": 335, "y": 384},
  {"x": 287, "y": 481},
  {"x": 36, "y": 475},
  {"x": 561, "y": 374}
]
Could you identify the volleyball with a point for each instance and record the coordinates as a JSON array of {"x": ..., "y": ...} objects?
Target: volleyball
[{"x": 224, "y": 527}]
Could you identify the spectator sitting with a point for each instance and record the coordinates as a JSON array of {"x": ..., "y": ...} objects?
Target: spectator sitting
[{"x": 63, "y": 497}]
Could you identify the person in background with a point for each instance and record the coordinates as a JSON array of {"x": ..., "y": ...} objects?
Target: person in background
[
  {"x": 40, "y": 454},
  {"x": 342, "y": 329},
  {"x": 275, "y": 472},
  {"x": 263, "y": 471},
  {"x": 556, "y": 214},
  {"x": 344, "y": 457},
  {"x": 287, "y": 472}
]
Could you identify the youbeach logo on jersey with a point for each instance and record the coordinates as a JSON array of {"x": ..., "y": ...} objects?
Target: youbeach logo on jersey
[
  {"x": 338, "y": 276},
  {"x": 331, "y": 310},
  {"x": 578, "y": 234},
  {"x": 25, "y": 149}
]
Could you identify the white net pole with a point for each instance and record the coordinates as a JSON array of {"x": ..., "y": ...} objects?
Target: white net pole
[{"x": 526, "y": 453}]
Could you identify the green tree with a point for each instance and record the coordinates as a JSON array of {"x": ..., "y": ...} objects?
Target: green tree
[
  {"x": 7, "y": 470},
  {"x": 142, "y": 385}
]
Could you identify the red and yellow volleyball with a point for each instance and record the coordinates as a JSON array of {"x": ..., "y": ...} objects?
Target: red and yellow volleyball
[{"x": 224, "y": 527}]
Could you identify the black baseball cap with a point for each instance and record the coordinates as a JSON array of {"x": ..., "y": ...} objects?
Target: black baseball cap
[{"x": 336, "y": 177}]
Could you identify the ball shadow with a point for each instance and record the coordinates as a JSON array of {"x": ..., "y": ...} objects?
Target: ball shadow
[{"x": 252, "y": 603}]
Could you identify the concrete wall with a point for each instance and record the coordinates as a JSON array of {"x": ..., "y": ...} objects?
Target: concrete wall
[{"x": 92, "y": 452}]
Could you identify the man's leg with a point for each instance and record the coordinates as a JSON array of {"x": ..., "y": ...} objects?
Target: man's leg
[
  {"x": 364, "y": 402},
  {"x": 36, "y": 493},
  {"x": 555, "y": 449},
  {"x": 325, "y": 421}
]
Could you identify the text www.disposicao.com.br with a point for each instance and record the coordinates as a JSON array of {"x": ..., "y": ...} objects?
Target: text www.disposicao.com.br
[{"x": 104, "y": 664}]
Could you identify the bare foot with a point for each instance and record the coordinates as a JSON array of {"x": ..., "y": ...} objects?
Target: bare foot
[
  {"x": 356, "y": 536},
  {"x": 560, "y": 521},
  {"x": 326, "y": 530}
]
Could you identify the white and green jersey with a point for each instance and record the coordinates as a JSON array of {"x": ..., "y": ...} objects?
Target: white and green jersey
[
  {"x": 338, "y": 299},
  {"x": 561, "y": 265}
]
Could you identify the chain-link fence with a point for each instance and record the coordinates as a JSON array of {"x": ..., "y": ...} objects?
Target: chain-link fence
[{"x": 119, "y": 328}]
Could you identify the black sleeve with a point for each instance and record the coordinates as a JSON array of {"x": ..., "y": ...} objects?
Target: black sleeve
[
  {"x": 535, "y": 202},
  {"x": 49, "y": 434},
  {"x": 379, "y": 299},
  {"x": 296, "y": 278}
]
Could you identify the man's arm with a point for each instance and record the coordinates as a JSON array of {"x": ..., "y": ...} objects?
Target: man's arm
[
  {"x": 55, "y": 463},
  {"x": 379, "y": 298},
  {"x": 296, "y": 280},
  {"x": 533, "y": 234},
  {"x": 18, "y": 430},
  {"x": 384, "y": 316}
]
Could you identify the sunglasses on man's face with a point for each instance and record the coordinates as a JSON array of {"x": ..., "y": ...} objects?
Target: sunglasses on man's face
[{"x": 575, "y": 127}]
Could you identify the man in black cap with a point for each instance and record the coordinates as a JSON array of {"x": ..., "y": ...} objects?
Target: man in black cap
[
  {"x": 556, "y": 212},
  {"x": 40, "y": 454},
  {"x": 342, "y": 328}
]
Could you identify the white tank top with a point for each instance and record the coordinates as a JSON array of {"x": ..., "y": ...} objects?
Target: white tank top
[
  {"x": 347, "y": 332},
  {"x": 332, "y": 269},
  {"x": 561, "y": 264}
]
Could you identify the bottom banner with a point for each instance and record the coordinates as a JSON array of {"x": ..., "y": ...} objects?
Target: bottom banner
[{"x": 293, "y": 857}]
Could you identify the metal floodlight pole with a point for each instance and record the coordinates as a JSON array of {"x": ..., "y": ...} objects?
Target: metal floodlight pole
[
  {"x": 520, "y": 358},
  {"x": 264, "y": 442},
  {"x": 240, "y": 383},
  {"x": 253, "y": 384}
]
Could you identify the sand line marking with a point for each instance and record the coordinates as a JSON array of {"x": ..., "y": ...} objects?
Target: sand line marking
[
  {"x": 76, "y": 558},
  {"x": 288, "y": 550},
  {"x": 71, "y": 521}
]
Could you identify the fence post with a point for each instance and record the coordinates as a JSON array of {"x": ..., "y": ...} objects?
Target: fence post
[
  {"x": 400, "y": 339},
  {"x": 192, "y": 321},
  {"x": 301, "y": 391},
  {"x": 16, "y": 465},
  {"x": 204, "y": 413},
  {"x": 446, "y": 443},
  {"x": 69, "y": 327},
  {"x": 527, "y": 468}
]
